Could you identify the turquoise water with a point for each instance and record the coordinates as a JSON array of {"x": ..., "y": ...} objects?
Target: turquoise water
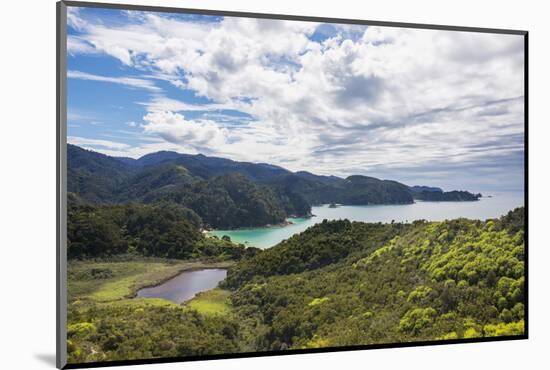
[{"x": 486, "y": 207}]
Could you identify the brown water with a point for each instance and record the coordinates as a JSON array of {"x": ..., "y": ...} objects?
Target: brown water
[{"x": 185, "y": 286}]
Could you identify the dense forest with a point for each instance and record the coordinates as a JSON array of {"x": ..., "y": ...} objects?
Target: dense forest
[
  {"x": 338, "y": 283},
  {"x": 228, "y": 194},
  {"x": 163, "y": 229},
  {"x": 355, "y": 283},
  {"x": 145, "y": 331},
  {"x": 229, "y": 201}
]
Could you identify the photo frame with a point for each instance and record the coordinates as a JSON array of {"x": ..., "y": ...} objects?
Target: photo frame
[{"x": 139, "y": 214}]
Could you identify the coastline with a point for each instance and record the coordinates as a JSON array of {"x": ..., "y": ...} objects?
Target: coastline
[
  {"x": 481, "y": 209},
  {"x": 286, "y": 222}
]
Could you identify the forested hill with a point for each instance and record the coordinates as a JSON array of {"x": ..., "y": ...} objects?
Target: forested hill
[
  {"x": 164, "y": 230},
  {"x": 344, "y": 283},
  {"x": 226, "y": 193},
  {"x": 447, "y": 196},
  {"x": 93, "y": 176},
  {"x": 220, "y": 197}
]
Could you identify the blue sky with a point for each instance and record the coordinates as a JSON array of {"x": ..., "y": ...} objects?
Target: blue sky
[{"x": 419, "y": 106}]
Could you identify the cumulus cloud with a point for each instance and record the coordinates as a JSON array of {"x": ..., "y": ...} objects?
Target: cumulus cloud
[
  {"x": 367, "y": 100},
  {"x": 201, "y": 135}
]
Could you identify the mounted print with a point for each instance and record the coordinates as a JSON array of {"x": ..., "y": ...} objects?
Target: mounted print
[{"x": 235, "y": 184}]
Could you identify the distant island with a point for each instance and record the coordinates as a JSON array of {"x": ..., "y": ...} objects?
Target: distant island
[{"x": 222, "y": 193}]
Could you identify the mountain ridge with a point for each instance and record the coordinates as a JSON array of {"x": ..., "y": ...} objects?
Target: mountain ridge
[{"x": 261, "y": 194}]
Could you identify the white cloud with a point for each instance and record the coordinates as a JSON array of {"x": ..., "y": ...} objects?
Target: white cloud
[
  {"x": 162, "y": 103},
  {"x": 118, "y": 149},
  {"x": 173, "y": 127},
  {"x": 97, "y": 144},
  {"x": 74, "y": 19},
  {"x": 361, "y": 99},
  {"x": 76, "y": 45},
  {"x": 126, "y": 81}
]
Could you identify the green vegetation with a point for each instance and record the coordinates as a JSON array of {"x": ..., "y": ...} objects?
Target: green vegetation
[
  {"x": 384, "y": 283},
  {"x": 109, "y": 332},
  {"x": 369, "y": 190},
  {"x": 102, "y": 281},
  {"x": 211, "y": 302},
  {"x": 94, "y": 176},
  {"x": 321, "y": 245},
  {"x": 447, "y": 196},
  {"x": 160, "y": 230},
  {"x": 216, "y": 192},
  {"x": 226, "y": 201},
  {"x": 354, "y": 190},
  {"x": 339, "y": 283},
  {"x": 106, "y": 323}
]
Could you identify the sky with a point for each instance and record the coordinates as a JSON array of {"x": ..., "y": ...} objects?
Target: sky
[{"x": 424, "y": 107}]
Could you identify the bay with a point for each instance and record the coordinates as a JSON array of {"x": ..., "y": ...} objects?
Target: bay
[{"x": 492, "y": 205}]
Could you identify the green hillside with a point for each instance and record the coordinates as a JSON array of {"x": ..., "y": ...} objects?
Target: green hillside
[
  {"x": 226, "y": 201},
  {"x": 339, "y": 283},
  {"x": 164, "y": 230},
  {"x": 380, "y": 283}
]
